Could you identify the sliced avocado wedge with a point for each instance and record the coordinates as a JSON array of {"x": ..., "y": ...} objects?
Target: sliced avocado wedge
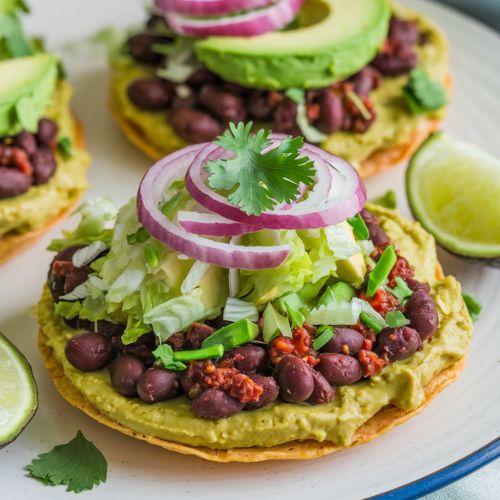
[
  {"x": 334, "y": 39},
  {"x": 27, "y": 87},
  {"x": 18, "y": 392}
]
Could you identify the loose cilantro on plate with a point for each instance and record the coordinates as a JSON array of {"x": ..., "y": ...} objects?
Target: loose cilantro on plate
[
  {"x": 258, "y": 181},
  {"x": 79, "y": 465},
  {"x": 423, "y": 94}
]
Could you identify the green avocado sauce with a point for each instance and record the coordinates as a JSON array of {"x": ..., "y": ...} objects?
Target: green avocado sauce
[
  {"x": 401, "y": 383},
  {"x": 41, "y": 204}
]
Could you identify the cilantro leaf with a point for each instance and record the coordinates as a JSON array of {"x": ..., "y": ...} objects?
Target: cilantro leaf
[
  {"x": 423, "y": 94},
  {"x": 164, "y": 354},
  {"x": 79, "y": 465},
  {"x": 262, "y": 179}
]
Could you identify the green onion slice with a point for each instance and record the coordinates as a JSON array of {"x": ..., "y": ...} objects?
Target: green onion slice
[
  {"x": 359, "y": 227},
  {"x": 233, "y": 335},
  {"x": 381, "y": 270},
  {"x": 214, "y": 351},
  {"x": 325, "y": 336}
]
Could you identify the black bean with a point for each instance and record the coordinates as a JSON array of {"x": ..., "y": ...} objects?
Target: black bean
[
  {"x": 420, "y": 310},
  {"x": 270, "y": 392},
  {"x": 224, "y": 105},
  {"x": 201, "y": 77},
  {"x": 248, "y": 358},
  {"x": 259, "y": 106},
  {"x": 285, "y": 118},
  {"x": 26, "y": 141},
  {"x": 157, "y": 384},
  {"x": 125, "y": 373},
  {"x": 140, "y": 47},
  {"x": 89, "y": 351},
  {"x": 377, "y": 234},
  {"x": 400, "y": 59},
  {"x": 13, "y": 182},
  {"x": 214, "y": 403},
  {"x": 295, "y": 379},
  {"x": 44, "y": 164},
  {"x": 6, "y": 155},
  {"x": 141, "y": 349},
  {"x": 398, "y": 343},
  {"x": 340, "y": 369},
  {"x": 331, "y": 112},
  {"x": 366, "y": 80},
  {"x": 195, "y": 126},
  {"x": 177, "y": 341},
  {"x": 47, "y": 132},
  {"x": 323, "y": 392},
  {"x": 415, "y": 285},
  {"x": 110, "y": 329},
  {"x": 345, "y": 341},
  {"x": 403, "y": 30},
  {"x": 196, "y": 334},
  {"x": 183, "y": 102},
  {"x": 151, "y": 94}
]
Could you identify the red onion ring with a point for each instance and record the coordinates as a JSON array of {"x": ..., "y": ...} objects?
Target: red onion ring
[
  {"x": 253, "y": 23},
  {"x": 210, "y": 224},
  {"x": 151, "y": 189},
  {"x": 344, "y": 197},
  {"x": 210, "y": 7}
]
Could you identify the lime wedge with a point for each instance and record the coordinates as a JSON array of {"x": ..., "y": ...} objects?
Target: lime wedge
[
  {"x": 454, "y": 191},
  {"x": 18, "y": 392}
]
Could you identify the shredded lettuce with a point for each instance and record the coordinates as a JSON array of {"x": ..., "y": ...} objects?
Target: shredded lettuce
[
  {"x": 194, "y": 276},
  {"x": 340, "y": 240},
  {"x": 96, "y": 224},
  {"x": 236, "y": 309},
  {"x": 337, "y": 313}
]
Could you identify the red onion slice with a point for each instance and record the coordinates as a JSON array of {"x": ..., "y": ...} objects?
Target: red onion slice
[
  {"x": 149, "y": 197},
  {"x": 253, "y": 23},
  {"x": 337, "y": 195},
  {"x": 212, "y": 224},
  {"x": 210, "y": 7}
]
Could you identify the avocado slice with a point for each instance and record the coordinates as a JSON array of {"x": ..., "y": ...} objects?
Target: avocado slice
[
  {"x": 27, "y": 87},
  {"x": 334, "y": 40}
]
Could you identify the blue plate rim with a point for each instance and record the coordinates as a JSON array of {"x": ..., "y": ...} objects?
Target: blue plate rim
[{"x": 446, "y": 475}]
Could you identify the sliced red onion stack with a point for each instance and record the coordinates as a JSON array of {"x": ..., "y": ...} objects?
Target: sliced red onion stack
[
  {"x": 337, "y": 195},
  {"x": 210, "y": 7},
  {"x": 256, "y": 17}
]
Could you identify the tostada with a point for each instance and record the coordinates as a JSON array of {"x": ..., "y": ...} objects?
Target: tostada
[
  {"x": 43, "y": 160},
  {"x": 365, "y": 79},
  {"x": 247, "y": 305}
]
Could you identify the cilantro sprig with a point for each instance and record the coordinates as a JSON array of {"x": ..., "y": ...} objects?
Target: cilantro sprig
[
  {"x": 422, "y": 94},
  {"x": 257, "y": 181},
  {"x": 79, "y": 465}
]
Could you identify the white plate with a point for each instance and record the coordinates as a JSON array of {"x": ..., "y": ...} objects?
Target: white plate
[{"x": 458, "y": 422}]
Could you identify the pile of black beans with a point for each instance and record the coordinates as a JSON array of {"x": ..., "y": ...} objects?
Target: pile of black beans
[
  {"x": 204, "y": 111},
  {"x": 27, "y": 159}
]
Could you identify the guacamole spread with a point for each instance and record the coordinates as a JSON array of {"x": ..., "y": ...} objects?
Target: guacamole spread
[
  {"x": 393, "y": 126},
  {"x": 40, "y": 204},
  {"x": 401, "y": 383}
]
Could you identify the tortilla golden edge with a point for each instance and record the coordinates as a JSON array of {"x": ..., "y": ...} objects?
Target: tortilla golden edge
[
  {"x": 382, "y": 422},
  {"x": 379, "y": 161},
  {"x": 14, "y": 244}
]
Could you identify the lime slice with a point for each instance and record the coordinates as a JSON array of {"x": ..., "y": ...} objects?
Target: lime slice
[
  {"x": 18, "y": 392},
  {"x": 454, "y": 191}
]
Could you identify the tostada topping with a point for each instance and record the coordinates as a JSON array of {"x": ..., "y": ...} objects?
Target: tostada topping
[{"x": 336, "y": 306}]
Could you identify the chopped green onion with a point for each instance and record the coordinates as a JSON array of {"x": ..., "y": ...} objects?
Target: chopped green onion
[
  {"x": 381, "y": 270},
  {"x": 233, "y": 335},
  {"x": 401, "y": 291},
  {"x": 375, "y": 322},
  {"x": 140, "y": 236},
  {"x": 388, "y": 200},
  {"x": 311, "y": 290},
  {"x": 65, "y": 146},
  {"x": 170, "y": 205},
  {"x": 274, "y": 324},
  {"x": 356, "y": 100},
  {"x": 290, "y": 300},
  {"x": 396, "y": 319},
  {"x": 325, "y": 336},
  {"x": 473, "y": 306},
  {"x": 152, "y": 255},
  {"x": 297, "y": 95},
  {"x": 214, "y": 351},
  {"x": 296, "y": 316},
  {"x": 164, "y": 355},
  {"x": 359, "y": 227},
  {"x": 338, "y": 292}
]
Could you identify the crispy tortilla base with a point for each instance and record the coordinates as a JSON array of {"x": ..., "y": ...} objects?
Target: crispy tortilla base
[
  {"x": 14, "y": 244},
  {"x": 383, "y": 421},
  {"x": 377, "y": 162}
]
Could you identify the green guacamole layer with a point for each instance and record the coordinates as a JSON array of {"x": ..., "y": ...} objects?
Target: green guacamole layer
[
  {"x": 401, "y": 383},
  {"x": 393, "y": 126},
  {"x": 43, "y": 203}
]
